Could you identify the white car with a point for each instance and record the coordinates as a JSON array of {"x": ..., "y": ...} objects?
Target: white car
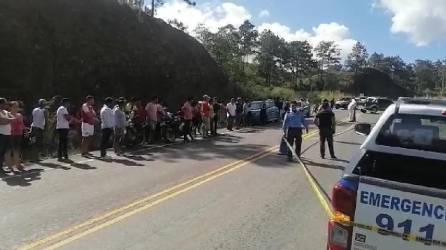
[{"x": 393, "y": 193}]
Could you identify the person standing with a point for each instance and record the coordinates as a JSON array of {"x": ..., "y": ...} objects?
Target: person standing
[
  {"x": 5, "y": 132},
  {"x": 283, "y": 149},
  {"x": 63, "y": 127},
  {"x": 231, "y": 110},
  {"x": 352, "y": 110},
  {"x": 286, "y": 109},
  {"x": 196, "y": 120},
  {"x": 88, "y": 121},
  {"x": 246, "y": 113},
  {"x": 119, "y": 126},
  {"x": 17, "y": 131},
  {"x": 188, "y": 114},
  {"x": 211, "y": 115},
  {"x": 238, "y": 113},
  {"x": 38, "y": 125},
  {"x": 332, "y": 103},
  {"x": 216, "y": 118},
  {"x": 326, "y": 122},
  {"x": 205, "y": 114},
  {"x": 107, "y": 125},
  {"x": 152, "y": 109},
  {"x": 293, "y": 124}
]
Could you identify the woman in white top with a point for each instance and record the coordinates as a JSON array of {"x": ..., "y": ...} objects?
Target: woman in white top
[{"x": 5, "y": 132}]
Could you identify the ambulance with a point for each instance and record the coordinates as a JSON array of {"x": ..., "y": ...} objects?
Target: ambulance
[{"x": 393, "y": 193}]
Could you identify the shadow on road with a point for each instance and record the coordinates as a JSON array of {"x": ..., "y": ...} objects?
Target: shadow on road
[
  {"x": 125, "y": 162},
  {"x": 219, "y": 147},
  {"x": 311, "y": 163},
  {"x": 24, "y": 179},
  {"x": 349, "y": 143}
]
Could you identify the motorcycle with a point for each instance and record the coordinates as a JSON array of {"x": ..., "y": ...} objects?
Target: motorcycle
[
  {"x": 134, "y": 135},
  {"x": 172, "y": 127}
]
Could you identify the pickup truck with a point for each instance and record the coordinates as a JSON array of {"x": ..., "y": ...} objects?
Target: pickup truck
[{"x": 393, "y": 193}]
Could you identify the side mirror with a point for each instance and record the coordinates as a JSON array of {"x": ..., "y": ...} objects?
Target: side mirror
[{"x": 363, "y": 128}]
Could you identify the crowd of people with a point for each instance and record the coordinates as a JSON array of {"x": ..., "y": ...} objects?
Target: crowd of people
[
  {"x": 113, "y": 118},
  {"x": 198, "y": 117}
]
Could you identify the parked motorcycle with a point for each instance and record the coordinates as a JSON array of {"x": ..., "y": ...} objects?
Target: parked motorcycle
[
  {"x": 172, "y": 127},
  {"x": 134, "y": 135}
]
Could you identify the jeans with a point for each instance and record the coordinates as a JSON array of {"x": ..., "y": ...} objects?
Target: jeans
[
  {"x": 214, "y": 124},
  {"x": 63, "y": 143},
  {"x": 238, "y": 120},
  {"x": 118, "y": 137},
  {"x": 294, "y": 138},
  {"x": 230, "y": 122},
  {"x": 206, "y": 125},
  {"x": 326, "y": 134},
  {"x": 106, "y": 134},
  {"x": 187, "y": 129},
  {"x": 38, "y": 134},
  {"x": 5, "y": 145}
]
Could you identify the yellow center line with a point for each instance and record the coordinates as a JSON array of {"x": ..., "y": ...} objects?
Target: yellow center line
[{"x": 95, "y": 224}]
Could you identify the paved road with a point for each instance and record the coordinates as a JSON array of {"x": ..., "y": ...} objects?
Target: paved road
[{"x": 231, "y": 192}]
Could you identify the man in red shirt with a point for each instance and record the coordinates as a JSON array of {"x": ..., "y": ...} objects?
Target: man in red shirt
[
  {"x": 187, "y": 111},
  {"x": 205, "y": 114}
]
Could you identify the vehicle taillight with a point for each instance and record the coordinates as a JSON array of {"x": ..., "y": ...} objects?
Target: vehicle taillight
[
  {"x": 344, "y": 204},
  {"x": 444, "y": 113},
  {"x": 344, "y": 201}
]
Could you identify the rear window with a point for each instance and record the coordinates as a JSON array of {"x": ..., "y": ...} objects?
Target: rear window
[
  {"x": 420, "y": 132},
  {"x": 404, "y": 169},
  {"x": 269, "y": 104},
  {"x": 256, "y": 105}
]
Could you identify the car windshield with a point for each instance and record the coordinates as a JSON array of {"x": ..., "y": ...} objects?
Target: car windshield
[
  {"x": 256, "y": 105},
  {"x": 414, "y": 132}
]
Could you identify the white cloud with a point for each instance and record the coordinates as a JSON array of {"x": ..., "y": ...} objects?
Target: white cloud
[
  {"x": 424, "y": 21},
  {"x": 214, "y": 16},
  {"x": 324, "y": 32},
  {"x": 264, "y": 13},
  {"x": 211, "y": 15}
]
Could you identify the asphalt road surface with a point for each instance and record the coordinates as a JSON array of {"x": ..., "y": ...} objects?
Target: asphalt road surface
[{"x": 229, "y": 192}]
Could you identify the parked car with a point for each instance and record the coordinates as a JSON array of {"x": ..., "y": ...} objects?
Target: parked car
[
  {"x": 375, "y": 104},
  {"x": 255, "y": 108},
  {"x": 361, "y": 100},
  {"x": 343, "y": 103}
]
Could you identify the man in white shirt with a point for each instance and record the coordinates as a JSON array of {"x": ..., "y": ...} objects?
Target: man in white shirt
[
  {"x": 38, "y": 124},
  {"x": 107, "y": 124},
  {"x": 231, "y": 110},
  {"x": 5, "y": 132},
  {"x": 352, "y": 110},
  {"x": 63, "y": 127}
]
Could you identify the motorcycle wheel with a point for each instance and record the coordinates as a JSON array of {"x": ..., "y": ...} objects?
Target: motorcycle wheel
[{"x": 170, "y": 135}]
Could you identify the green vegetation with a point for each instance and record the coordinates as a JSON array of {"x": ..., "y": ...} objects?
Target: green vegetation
[{"x": 263, "y": 62}]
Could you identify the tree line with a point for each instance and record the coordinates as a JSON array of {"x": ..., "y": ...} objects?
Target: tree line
[{"x": 264, "y": 58}]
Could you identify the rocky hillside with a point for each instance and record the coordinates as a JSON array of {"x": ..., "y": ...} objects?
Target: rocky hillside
[{"x": 79, "y": 47}]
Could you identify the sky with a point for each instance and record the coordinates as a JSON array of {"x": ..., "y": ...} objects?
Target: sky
[{"x": 412, "y": 29}]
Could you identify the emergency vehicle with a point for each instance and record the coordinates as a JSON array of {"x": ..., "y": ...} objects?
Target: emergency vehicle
[{"x": 393, "y": 193}]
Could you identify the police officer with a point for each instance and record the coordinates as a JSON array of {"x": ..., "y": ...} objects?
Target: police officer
[
  {"x": 293, "y": 124},
  {"x": 325, "y": 120}
]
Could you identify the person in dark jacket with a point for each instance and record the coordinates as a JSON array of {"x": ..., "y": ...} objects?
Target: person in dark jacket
[{"x": 326, "y": 122}]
